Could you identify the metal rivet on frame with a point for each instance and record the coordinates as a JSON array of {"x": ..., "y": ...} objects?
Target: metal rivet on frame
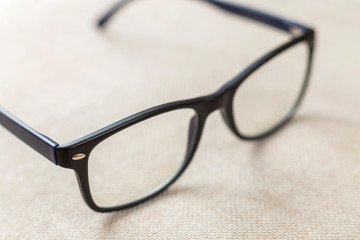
[
  {"x": 78, "y": 156},
  {"x": 296, "y": 31}
]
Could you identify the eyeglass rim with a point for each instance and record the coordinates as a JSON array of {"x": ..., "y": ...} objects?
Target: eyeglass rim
[{"x": 203, "y": 106}]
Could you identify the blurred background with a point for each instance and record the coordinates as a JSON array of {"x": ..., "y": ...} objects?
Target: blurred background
[{"x": 66, "y": 78}]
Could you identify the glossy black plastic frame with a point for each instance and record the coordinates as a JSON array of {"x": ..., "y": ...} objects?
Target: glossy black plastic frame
[{"x": 63, "y": 155}]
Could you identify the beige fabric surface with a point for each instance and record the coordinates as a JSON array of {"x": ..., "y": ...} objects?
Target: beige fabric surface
[{"x": 65, "y": 78}]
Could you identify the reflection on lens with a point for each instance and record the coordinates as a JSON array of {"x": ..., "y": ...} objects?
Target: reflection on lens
[
  {"x": 268, "y": 95},
  {"x": 140, "y": 159}
]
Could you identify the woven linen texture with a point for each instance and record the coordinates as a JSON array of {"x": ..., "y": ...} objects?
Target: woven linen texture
[{"x": 65, "y": 78}]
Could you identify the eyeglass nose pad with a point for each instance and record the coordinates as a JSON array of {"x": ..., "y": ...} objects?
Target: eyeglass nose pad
[
  {"x": 227, "y": 114},
  {"x": 192, "y": 131}
]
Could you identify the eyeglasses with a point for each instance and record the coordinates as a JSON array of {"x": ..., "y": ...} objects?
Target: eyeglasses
[{"x": 124, "y": 164}]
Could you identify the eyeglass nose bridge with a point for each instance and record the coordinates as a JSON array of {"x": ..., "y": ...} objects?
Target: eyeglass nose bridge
[{"x": 220, "y": 100}]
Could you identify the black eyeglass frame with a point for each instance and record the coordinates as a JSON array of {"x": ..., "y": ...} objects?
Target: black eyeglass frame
[{"x": 75, "y": 155}]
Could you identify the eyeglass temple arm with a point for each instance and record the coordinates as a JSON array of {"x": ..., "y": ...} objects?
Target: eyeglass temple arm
[
  {"x": 265, "y": 18},
  {"x": 40, "y": 143}
]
